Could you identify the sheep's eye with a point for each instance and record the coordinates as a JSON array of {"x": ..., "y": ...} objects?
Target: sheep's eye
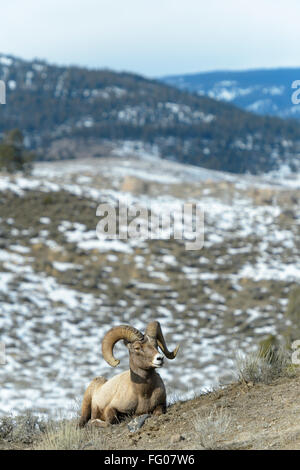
[{"x": 137, "y": 348}]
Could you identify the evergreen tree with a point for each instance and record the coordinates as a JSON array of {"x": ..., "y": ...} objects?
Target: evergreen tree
[{"x": 13, "y": 155}]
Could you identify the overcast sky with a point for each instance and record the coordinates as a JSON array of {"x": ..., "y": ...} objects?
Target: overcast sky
[{"x": 154, "y": 37}]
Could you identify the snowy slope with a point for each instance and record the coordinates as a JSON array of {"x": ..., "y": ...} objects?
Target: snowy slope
[{"x": 61, "y": 287}]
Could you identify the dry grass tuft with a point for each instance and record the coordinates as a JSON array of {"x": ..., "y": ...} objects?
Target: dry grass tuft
[
  {"x": 66, "y": 435},
  {"x": 265, "y": 368},
  {"x": 212, "y": 428}
]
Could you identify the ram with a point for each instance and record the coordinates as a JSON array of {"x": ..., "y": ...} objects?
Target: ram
[{"x": 137, "y": 391}]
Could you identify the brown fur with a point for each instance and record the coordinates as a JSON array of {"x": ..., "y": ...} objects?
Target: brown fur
[{"x": 86, "y": 409}]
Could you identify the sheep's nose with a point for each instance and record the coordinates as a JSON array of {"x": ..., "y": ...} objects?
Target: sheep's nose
[{"x": 159, "y": 358}]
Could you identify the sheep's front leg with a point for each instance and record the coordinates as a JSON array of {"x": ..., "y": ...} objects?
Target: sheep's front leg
[
  {"x": 99, "y": 423},
  {"x": 110, "y": 416},
  {"x": 103, "y": 418},
  {"x": 159, "y": 410}
]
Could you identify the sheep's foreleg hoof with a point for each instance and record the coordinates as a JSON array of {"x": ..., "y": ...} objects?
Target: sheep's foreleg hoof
[
  {"x": 81, "y": 424},
  {"x": 159, "y": 410},
  {"x": 99, "y": 423}
]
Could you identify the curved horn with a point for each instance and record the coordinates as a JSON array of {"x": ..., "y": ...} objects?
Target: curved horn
[
  {"x": 114, "y": 335},
  {"x": 153, "y": 331}
]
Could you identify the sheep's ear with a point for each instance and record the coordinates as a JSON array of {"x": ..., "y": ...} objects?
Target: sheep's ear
[{"x": 126, "y": 343}]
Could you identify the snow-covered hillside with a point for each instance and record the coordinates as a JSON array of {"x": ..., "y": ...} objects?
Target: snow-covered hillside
[
  {"x": 61, "y": 287},
  {"x": 267, "y": 92}
]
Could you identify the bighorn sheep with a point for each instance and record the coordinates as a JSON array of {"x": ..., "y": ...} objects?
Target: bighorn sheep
[{"x": 134, "y": 392}]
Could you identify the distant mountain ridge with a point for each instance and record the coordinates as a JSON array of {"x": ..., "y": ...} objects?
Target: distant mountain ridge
[
  {"x": 64, "y": 109},
  {"x": 262, "y": 91}
]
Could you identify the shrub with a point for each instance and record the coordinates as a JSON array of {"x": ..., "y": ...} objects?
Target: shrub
[
  {"x": 264, "y": 366},
  {"x": 13, "y": 155},
  {"x": 293, "y": 308},
  {"x": 66, "y": 435},
  {"x": 24, "y": 428},
  {"x": 6, "y": 426},
  {"x": 212, "y": 428}
]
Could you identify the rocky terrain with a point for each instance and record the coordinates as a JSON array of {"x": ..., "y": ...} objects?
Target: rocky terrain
[{"x": 61, "y": 287}]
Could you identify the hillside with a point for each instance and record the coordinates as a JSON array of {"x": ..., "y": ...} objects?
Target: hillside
[
  {"x": 265, "y": 92},
  {"x": 61, "y": 287},
  {"x": 66, "y": 112},
  {"x": 240, "y": 416}
]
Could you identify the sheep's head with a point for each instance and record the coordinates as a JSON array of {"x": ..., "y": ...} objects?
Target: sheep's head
[
  {"x": 143, "y": 355},
  {"x": 143, "y": 348}
]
